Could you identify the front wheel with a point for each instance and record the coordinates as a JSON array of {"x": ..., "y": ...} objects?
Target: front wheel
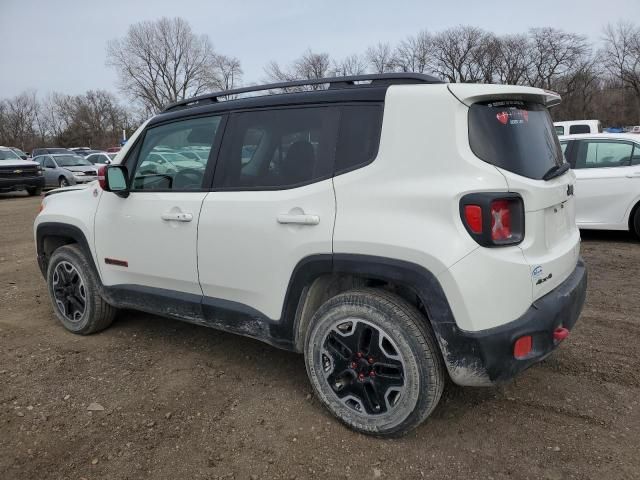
[
  {"x": 34, "y": 191},
  {"x": 73, "y": 289},
  {"x": 373, "y": 362},
  {"x": 63, "y": 182}
]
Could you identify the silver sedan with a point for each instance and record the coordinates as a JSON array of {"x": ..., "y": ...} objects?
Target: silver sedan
[{"x": 62, "y": 170}]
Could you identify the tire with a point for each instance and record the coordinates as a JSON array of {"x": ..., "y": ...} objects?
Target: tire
[
  {"x": 408, "y": 371},
  {"x": 635, "y": 223},
  {"x": 63, "y": 182},
  {"x": 34, "y": 191},
  {"x": 72, "y": 282}
]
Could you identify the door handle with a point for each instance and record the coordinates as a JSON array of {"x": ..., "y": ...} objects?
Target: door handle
[
  {"x": 300, "y": 219},
  {"x": 177, "y": 217}
]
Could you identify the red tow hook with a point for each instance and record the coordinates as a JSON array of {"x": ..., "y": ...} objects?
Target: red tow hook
[{"x": 560, "y": 334}]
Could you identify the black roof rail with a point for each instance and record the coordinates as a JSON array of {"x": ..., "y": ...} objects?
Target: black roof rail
[{"x": 334, "y": 82}]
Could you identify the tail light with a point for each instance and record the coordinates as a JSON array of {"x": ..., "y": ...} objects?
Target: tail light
[
  {"x": 493, "y": 219},
  {"x": 102, "y": 172}
]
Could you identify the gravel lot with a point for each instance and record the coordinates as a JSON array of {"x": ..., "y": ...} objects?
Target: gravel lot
[{"x": 182, "y": 401}]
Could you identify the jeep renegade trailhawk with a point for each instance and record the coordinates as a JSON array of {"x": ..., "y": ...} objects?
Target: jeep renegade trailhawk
[{"x": 393, "y": 228}]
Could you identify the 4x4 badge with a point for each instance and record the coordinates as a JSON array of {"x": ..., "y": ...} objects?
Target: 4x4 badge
[{"x": 569, "y": 190}]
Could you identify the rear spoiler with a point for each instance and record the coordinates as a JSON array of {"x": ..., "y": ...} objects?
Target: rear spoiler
[{"x": 469, "y": 93}]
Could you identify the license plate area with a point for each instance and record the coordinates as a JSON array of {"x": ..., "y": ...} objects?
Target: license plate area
[{"x": 559, "y": 222}]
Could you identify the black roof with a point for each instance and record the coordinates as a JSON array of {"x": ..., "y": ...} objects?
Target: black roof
[{"x": 340, "y": 89}]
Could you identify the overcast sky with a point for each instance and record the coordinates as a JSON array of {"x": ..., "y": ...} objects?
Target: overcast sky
[{"x": 60, "y": 44}]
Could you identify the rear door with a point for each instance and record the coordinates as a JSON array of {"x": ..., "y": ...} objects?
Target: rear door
[
  {"x": 271, "y": 206},
  {"x": 149, "y": 238},
  {"x": 605, "y": 180}
]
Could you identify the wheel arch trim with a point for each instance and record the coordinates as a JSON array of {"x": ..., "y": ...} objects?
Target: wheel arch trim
[{"x": 62, "y": 230}]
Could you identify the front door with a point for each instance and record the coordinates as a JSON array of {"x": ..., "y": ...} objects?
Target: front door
[{"x": 149, "y": 239}]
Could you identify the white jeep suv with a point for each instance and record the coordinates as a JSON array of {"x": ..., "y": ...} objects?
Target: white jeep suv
[{"x": 394, "y": 229}]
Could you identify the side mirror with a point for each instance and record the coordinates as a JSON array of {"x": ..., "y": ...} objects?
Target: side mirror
[{"x": 113, "y": 178}]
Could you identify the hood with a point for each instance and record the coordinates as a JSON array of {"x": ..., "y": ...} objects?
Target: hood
[
  {"x": 18, "y": 163},
  {"x": 83, "y": 168}
]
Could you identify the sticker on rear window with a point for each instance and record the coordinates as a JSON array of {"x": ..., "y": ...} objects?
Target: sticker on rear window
[{"x": 513, "y": 116}]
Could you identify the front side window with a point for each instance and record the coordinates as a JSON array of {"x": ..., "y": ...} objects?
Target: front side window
[
  {"x": 164, "y": 160},
  {"x": 516, "y": 136},
  {"x": 602, "y": 154},
  {"x": 279, "y": 148},
  {"x": 559, "y": 130}
]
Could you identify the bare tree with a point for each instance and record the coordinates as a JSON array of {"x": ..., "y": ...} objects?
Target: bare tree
[
  {"x": 414, "y": 54},
  {"x": 621, "y": 54},
  {"x": 163, "y": 61},
  {"x": 487, "y": 57},
  {"x": 555, "y": 54},
  {"x": 228, "y": 72},
  {"x": 19, "y": 117},
  {"x": 351, "y": 65},
  {"x": 513, "y": 61},
  {"x": 456, "y": 54},
  {"x": 380, "y": 58},
  {"x": 309, "y": 66}
]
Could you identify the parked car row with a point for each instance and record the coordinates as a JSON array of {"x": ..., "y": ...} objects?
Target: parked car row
[{"x": 578, "y": 127}]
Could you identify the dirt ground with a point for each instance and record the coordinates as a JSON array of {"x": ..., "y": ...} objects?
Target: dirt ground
[{"x": 187, "y": 402}]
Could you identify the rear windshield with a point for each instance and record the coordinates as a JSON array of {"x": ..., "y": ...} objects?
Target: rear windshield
[
  {"x": 516, "y": 136},
  {"x": 580, "y": 128}
]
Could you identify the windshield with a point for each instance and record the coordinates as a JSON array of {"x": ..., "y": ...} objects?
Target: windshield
[
  {"x": 516, "y": 136},
  {"x": 71, "y": 161},
  {"x": 8, "y": 155}
]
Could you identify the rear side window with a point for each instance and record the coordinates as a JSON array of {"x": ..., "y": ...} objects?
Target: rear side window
[
  {"x": 359, "y": 136},
  {"x": 602, "y": 154},
  {"x": 516, "y": 136},
  {"x": 576, "y": 129},
  {"x": 277, "y": 149}
]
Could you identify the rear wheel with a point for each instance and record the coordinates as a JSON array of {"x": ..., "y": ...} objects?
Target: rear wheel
[
  {"x": 63, "y": 182},
  {"x": 635, "y": 223},
  {"x": 74, "y": 293},
  {"x": 373, "y": 361}
]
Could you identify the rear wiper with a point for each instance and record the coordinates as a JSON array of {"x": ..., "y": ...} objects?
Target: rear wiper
[{"x": 556, "y": 171}]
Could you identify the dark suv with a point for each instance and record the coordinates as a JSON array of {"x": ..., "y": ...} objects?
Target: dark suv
[{"x": 18, "y": 174}]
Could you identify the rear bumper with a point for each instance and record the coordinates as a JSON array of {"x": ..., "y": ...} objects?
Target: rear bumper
[
  {"x": 486, "y": 357},
  {"x": 7, "y": 185}
]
